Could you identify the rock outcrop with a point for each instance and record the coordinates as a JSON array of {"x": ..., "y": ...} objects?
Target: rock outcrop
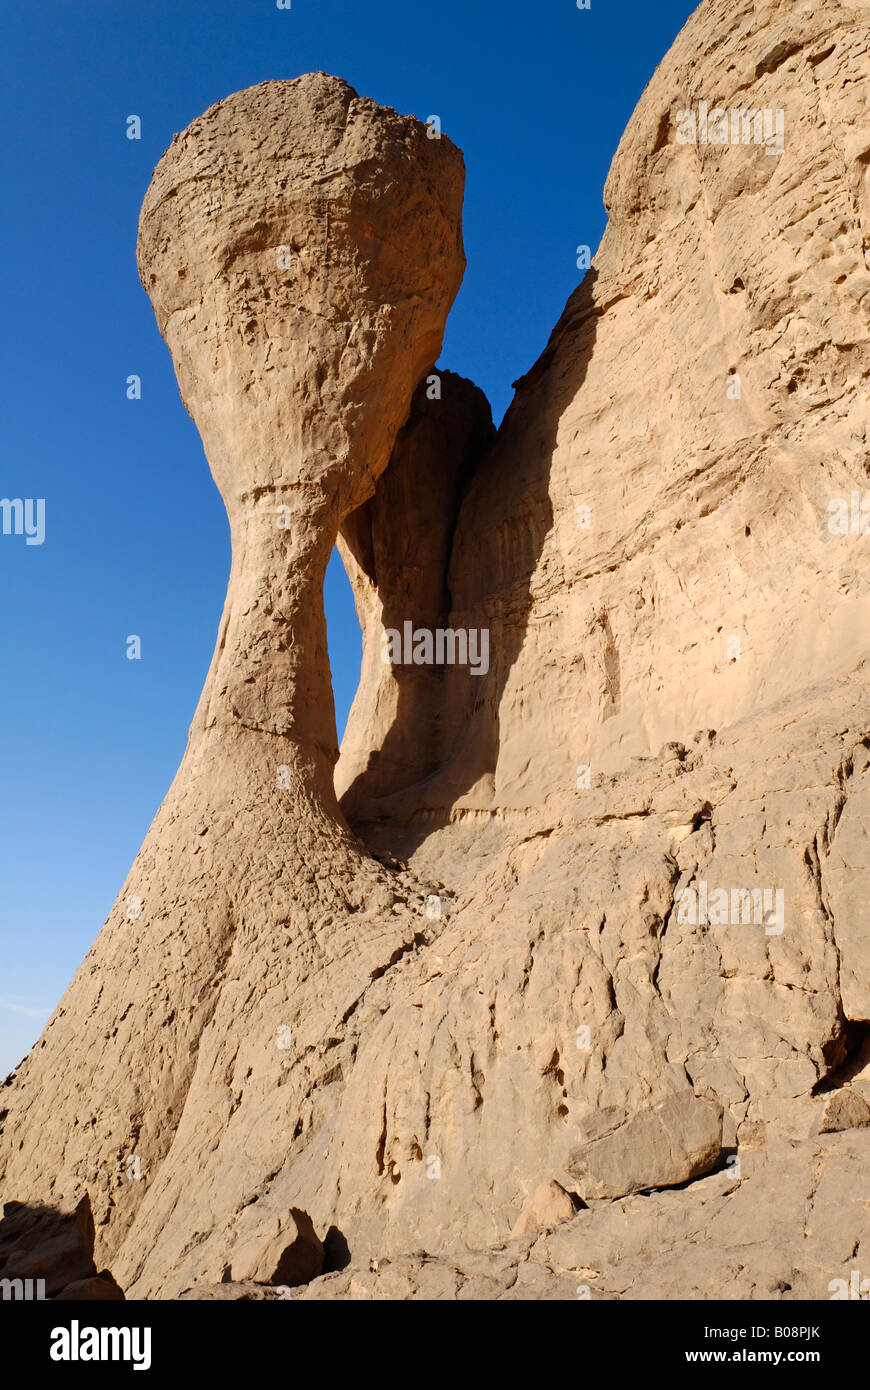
[
  {"x": 302, "y": 247},
  {"x": 663, "y": 1146},
  {"x": 674, "y": 712},
  {"x": 548, "y": 1206},
  {"x": 783, "y": 1227},
  {"x": 590, "y": 916},
  {"x": 276, "y": 1248},
  {"x": 48, "y": 1252},
  {"x": 396, "y": 549}
]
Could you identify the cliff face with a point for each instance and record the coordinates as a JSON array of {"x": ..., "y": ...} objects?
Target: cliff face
[
  {"x": 614, "y": 933},
  {"x": 676, "y": 693},
  {"x": 702, "y": 395}
]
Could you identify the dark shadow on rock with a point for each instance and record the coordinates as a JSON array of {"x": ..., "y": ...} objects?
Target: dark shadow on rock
[
  {"x": 48, "y": 1252},
  {"x": 456, "y": 544},
  {"x": 336, "y": 1252},
  {"x": 302, "y": 1259},
  {"x": 397, "y": 552},
  {"x": 850, "y": 1054}
]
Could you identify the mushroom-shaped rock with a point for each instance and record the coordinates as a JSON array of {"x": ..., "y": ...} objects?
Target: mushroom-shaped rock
[{"x": 301, "y": 247}]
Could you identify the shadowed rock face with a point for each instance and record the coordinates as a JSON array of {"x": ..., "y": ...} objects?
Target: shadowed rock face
[
  {"x": 396, "y": 550},
  {"x": 48, "y": 1253},
  {"x": 282, "y": 1028}
]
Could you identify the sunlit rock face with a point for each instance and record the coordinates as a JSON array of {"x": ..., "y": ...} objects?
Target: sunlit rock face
[
  {"x": 301, "y": 247},
  {"x": 614, "y": 936}
]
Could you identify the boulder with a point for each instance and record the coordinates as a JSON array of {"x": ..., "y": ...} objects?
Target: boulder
[
  {"x": 548, "y": 1205},
  {"x": 275, "y": 1247},
  {"x": 50, "y": 1243},
  {"x": 844, "y": 1109},
  {"x": 667, "y": 1144},
  {"x": 100, "y": 1288}
]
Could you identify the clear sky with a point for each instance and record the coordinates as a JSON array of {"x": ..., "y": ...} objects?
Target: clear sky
[{"x": 536, "y": 95}]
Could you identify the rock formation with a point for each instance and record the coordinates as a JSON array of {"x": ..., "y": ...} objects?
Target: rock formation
[
  {"x": 301, "y": 247},
  {"x": 48, "y": 1253},
  {"x": 597, "y": 926}
]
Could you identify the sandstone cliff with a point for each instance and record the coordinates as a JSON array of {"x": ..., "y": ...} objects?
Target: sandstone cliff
[{"x": 534, "y": 987}]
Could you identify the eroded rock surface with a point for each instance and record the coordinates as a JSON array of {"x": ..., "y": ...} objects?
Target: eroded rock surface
[
  {"x": 274, "y": 1247},
  {"x": 549, "y": 1205},
  {"x": 301, "y": 246},
  {"x": 675, "y": 708},
  {"x": 48, "y": 1252},
  {"x": 792, "y": 1224},
  {"x": 626, "y": 864},
  {"x": 661, "y": 1146}
]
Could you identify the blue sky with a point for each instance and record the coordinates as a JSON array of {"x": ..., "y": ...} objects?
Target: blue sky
[{"x": 535, "y": 94}]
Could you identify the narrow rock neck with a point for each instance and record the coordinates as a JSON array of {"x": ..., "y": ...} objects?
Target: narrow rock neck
[{"x": 270, "y": 672}]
